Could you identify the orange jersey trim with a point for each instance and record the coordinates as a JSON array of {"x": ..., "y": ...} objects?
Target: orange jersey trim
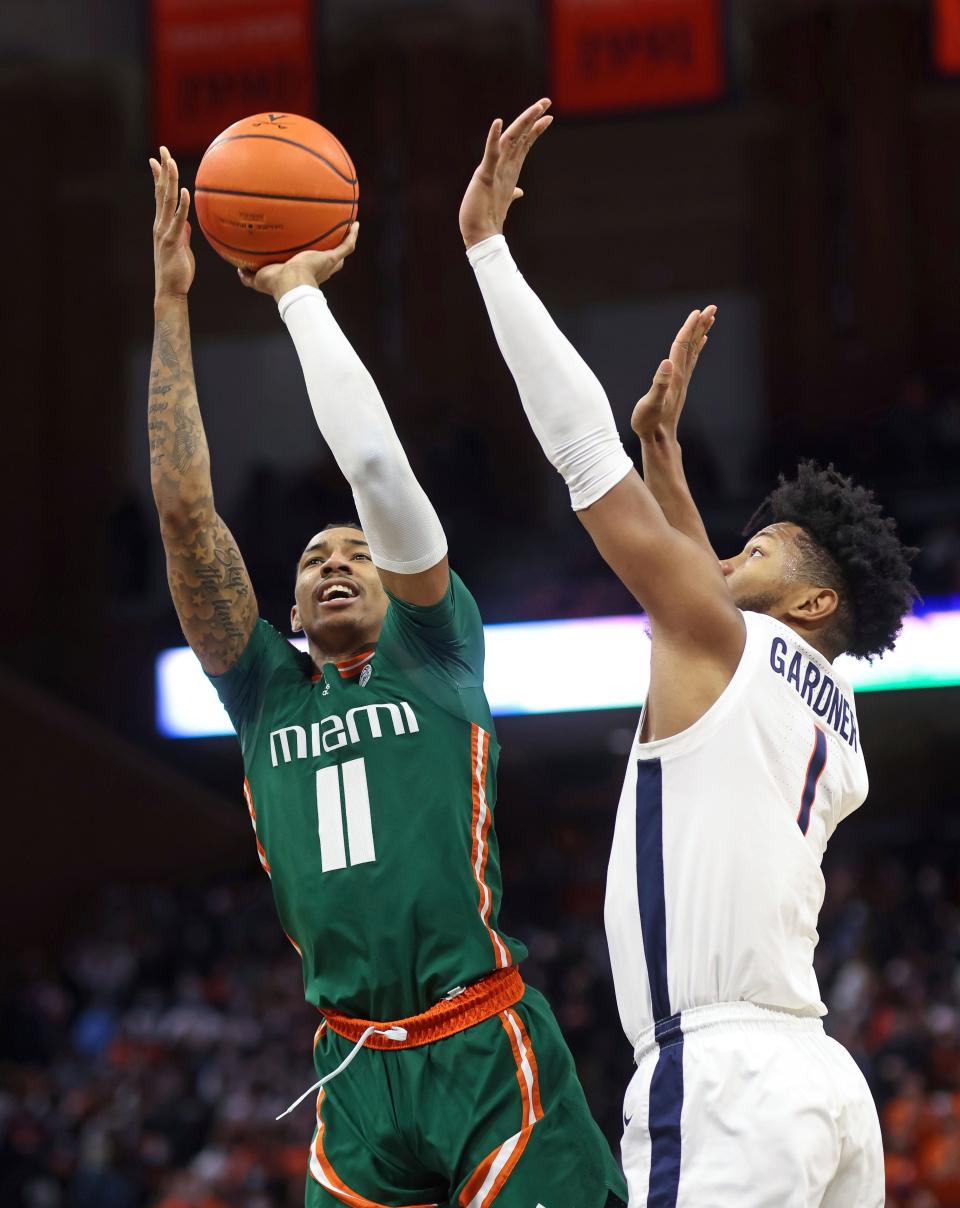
[
  {"x": 479, "y": 828},
  {"x": 490, "y": 1177},
  {"x": 264, "y": 862},
  {"x": 350, "y": 668},
  {"x": 323, "y": 1173}
]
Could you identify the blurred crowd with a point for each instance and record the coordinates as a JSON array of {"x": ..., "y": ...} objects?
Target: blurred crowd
[
  {"x": 907, "y": 447},
  {"x": 889, "y": 968},
  {"x": 144, "y": 1064},
  {"x": 908, "y": 452}
]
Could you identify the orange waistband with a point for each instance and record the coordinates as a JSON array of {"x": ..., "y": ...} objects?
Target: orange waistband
[{"x": 478, "y": 1002}]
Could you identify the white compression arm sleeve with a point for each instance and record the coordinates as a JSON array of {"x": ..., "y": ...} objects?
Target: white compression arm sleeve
[
  {"x": 401, "y": 526},
  {"x": 565, "y": 404}
]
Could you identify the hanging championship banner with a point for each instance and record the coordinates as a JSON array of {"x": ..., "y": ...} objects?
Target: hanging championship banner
[
  {"x": 946, "y": 36},
  {"x": 215, "y": 61},
  {"x": 612, "y": 55}
]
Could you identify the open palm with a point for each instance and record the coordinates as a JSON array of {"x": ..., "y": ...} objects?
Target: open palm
[
  {"x": 657, "y": 415},
  {"x": 493, "y": 186},
  {"x": 173, "y": 261}
]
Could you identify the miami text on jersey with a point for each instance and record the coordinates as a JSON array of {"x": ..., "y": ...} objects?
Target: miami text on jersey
[
  {"x": 817, "y": 689},
  {"x": 330, "y": 733}
]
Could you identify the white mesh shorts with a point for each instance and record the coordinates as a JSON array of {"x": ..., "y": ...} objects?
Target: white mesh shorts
[{"x": 739, "y": 1106}]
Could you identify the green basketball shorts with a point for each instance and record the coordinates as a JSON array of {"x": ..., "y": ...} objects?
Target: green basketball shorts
[{"x": 491, "y": 1113}]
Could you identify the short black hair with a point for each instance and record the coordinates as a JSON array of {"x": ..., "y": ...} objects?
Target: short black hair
[
  {"x": 847, "y": 544},
  {"x": 334, "y": 524},
  {"x": 342, "y": 524}
]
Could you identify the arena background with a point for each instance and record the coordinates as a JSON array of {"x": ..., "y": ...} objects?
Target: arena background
[{"x": 799, "y": 168}]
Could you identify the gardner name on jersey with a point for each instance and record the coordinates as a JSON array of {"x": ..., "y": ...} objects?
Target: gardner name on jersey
[
  {"x": 714, "y": 884},
  {"x": 371, "y": 788}
]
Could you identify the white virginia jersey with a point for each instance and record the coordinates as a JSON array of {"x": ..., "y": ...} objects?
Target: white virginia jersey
[{"x": 714, "y": 884}]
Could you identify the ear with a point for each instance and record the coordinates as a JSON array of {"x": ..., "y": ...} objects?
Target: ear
[
  {"x": 815, "y": 607},
  {"x": 295, "y": 620}
]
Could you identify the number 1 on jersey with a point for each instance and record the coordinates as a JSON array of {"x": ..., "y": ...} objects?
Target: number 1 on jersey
[
  {"x": 331, "y": 806},
  {"x": 818, "y": 761}
]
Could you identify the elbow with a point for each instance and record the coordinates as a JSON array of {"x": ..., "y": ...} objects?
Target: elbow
[
  {"x": 374, "y": 464},
  {"x": 174, "y": 518},
  {"x": 179, "y": 514}
]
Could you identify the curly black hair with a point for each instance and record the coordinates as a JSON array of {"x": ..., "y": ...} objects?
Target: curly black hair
[{"x": 847, "y": 544}]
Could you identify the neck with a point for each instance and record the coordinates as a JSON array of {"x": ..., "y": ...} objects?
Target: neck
[
  {"x": 813, "y": 637},
  {"x": 338, "y": 653}
]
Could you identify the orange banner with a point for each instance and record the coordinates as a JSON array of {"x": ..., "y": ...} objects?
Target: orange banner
[
  {"x": 946, "y": 35},
  {"x": 215, "y": 61},
  {"x": 609, "y": 55}
]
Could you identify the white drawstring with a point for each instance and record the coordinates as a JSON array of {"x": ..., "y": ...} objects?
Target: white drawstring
[{"x": 392, "y": 1033}]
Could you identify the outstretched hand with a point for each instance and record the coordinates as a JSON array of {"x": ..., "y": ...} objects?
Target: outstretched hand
[
  {"x": 306, "y": 268},
  {"x": 657, "y": 415},
  {"x": 493, "y": 186},
  {"x": 173, "y": 263}
]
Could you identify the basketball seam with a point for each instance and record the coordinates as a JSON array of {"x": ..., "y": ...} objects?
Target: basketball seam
[
  {"x": 271, "y": 251},
  {"x": 275, "y": 138},
  {"x": 346, "y": 158},
  {"x": 331, "y": 201}
]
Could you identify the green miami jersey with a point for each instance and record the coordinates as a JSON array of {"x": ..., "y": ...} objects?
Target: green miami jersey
[{"x": 371, "y": 789}]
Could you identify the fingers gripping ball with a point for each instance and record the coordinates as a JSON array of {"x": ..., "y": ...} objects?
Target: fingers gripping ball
[{"x": 273, "y": 185}]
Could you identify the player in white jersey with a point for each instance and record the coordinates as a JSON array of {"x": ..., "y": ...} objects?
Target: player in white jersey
[{"x": 746, "y": 757}]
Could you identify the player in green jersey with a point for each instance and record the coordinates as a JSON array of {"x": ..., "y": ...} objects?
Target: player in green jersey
[{"x": 371, "y": 780}]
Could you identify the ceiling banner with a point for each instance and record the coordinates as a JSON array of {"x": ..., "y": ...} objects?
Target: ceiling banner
[
  {"x": 615, "y": 55},
  {"x": 946, "y": 36},
  {"x": 215, "y": 61}
]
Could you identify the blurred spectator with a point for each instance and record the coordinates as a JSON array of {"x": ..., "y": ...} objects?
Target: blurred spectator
[
  {"x": 908, "y": 450},
  {"x": 144, "y": 1066}
]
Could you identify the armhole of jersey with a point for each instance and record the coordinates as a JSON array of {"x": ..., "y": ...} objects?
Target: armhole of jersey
[
  {"x": 687, "y": 740},
  {"x": 444, "y": 658},
  {"x": 247, "y": 680}
]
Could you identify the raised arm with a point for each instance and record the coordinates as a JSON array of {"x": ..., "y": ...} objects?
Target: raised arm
[
  {"x": 676, "y": 579},
  {"x": 406, "y": 539},
  {"x": 209, "y": 583},
  {"x": 655, "y": 420}
]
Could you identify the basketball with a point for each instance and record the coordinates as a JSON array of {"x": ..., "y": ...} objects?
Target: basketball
[{"x": 273, "y": 185}]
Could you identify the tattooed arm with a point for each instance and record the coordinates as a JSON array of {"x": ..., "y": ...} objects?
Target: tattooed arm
[{"x": 209, "y": 583}]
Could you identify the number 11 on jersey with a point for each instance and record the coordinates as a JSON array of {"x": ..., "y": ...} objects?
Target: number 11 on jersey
[{"x": 331, "y": 806}]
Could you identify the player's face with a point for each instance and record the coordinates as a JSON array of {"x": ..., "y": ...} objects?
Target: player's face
[
  {"x": 340, "y": 601},
  {"x": 760, "y": 576}
]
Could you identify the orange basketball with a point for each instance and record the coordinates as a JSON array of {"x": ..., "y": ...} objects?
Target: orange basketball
[{"x": 273, "y": 185}]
